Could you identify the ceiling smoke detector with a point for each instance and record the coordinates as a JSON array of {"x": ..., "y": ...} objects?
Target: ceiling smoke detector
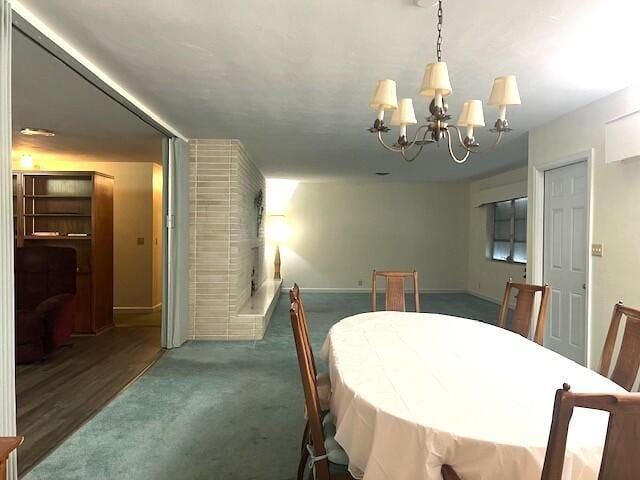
[{"x": 39, "y": 132}]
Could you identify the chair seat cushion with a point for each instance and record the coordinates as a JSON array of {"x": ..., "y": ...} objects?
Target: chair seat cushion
[
  {"x": 323, "y": 384},
  {"x": 338, "y": 459}
]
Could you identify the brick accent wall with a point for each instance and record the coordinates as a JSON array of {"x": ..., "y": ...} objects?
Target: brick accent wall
[{"x": 224, "y": 232}]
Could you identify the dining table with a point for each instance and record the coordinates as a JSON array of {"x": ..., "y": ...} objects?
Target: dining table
[{"x": 414, "y": 391}]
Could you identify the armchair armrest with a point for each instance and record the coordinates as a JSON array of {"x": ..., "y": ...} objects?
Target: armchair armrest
[
  {"x": 54, "y": 303},
  {"x": 58, "y": 314}
]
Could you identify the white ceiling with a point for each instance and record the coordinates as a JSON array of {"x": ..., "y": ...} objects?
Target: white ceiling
[
  {"x": 88, "y": 124},
  {"x": 292, "y": 79}
]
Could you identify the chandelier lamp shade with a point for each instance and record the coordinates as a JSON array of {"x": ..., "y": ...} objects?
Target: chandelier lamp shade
[
  {"x": 404, "y": 115},
  {"x": 436, "y": 86}
]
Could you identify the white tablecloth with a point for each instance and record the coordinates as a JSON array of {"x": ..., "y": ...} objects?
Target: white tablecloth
[{"x": 414, "y": 391}]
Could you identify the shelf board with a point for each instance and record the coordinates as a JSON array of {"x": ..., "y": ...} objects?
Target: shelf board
[
  {"x": 57, "y": 237},
  {"x": 71, "y": 215},
  {"x": 80, "y": 197}
]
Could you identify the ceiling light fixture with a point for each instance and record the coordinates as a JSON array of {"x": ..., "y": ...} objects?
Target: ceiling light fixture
[
  {"x": 41, "y": 132},
  {"x": 436, "y": 85}
]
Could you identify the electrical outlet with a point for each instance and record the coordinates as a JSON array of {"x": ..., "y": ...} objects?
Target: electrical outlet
[
  {"x": 359, "y": 283},
  {"x": 596, "y": 249},
  {"x": 140, "y": 240}
]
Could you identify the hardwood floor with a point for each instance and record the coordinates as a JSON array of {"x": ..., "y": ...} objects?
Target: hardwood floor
[{"x": 56, "y": 396}]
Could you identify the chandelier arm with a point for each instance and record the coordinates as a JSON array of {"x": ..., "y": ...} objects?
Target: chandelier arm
[
  {"x": 415, "y": 137},
  {"x": 388, "y": 147},
  {"x": 451, "y": 152},
  {"x": 411, "y": 159},
  {"x": 409, "y": 145},
  {"x": 476, "y": 150}
]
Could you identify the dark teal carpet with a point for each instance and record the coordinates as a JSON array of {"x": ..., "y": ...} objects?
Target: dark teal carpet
[{"x": 218, "y": 410}]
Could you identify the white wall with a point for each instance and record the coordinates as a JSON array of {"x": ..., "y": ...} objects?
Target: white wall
[
  {"x": 340, "y": 232},
  {"x": 158, "y": 230},
  {"x": 615, "y": 200},
  {"x": 487, "y": 278}
]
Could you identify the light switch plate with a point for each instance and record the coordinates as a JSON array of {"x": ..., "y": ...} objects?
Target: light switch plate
[{"x": 596, "y": 249}]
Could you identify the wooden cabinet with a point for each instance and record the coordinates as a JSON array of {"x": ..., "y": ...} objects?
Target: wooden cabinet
[{"x": 72, "y": 209}]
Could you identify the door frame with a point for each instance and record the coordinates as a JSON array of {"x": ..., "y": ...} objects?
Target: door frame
[{"x": 535, "y": 270}]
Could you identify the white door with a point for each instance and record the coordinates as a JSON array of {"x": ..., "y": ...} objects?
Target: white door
[{"x": 565, "y": 259}]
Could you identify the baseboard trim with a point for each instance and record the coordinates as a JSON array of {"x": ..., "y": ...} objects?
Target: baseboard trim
[
  {"x": 152, "y": 309},
  {"x": 482, "y": 296},
  {"x": 479, "y": 295},
  {"x": 512, "y": 302},
  {"x": 367, "y": 290}
]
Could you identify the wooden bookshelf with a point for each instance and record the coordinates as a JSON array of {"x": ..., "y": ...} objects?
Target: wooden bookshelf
[{"x": 68, "y": 204}]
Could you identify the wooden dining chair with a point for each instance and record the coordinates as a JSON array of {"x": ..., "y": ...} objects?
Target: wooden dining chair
[
  {"x": 626, "y": 368},
  {"x": 322, "y": 453},
  {"x": 448, "y": 473},
  {"x": 7, "y": 445},
  {"x": 620, "y": 459},
  {"x": 525, "y": 302},
  {"x": 394, "y": 290},
  {"x": 323, "y": 382}
]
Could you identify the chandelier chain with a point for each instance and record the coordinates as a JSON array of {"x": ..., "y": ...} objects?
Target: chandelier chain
[{"x": 439, "y": 42}]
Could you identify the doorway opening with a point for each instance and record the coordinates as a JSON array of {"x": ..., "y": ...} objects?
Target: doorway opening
[{"x": 88, "y": 226}]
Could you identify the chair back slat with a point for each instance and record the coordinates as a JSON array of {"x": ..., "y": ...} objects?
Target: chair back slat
[
  {"x": 625, "y": 371},
  {"x": 394, "y": 290},
  {"x": 394, "y": 299},
  {"x": 620, "y": 459},
  {"x": 524, "y": 310},
  {"x": 312, "y": 400},
  {"x": 521, "y": 323}
]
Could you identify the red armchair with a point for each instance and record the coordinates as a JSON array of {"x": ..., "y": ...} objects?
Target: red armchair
[{"x": 45, "y": 292}]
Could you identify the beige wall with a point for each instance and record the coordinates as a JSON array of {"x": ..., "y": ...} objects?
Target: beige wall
[
  {"x": 487, "y": 278},
  {"x": 156, "y": 291},
  {"x": 339, "y": 232},
  {"x": 615, "y": 204},
  {"x": 134, "y": 276}
]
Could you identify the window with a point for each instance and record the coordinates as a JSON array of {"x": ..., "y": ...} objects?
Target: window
[{"x": 508, "y": 228}]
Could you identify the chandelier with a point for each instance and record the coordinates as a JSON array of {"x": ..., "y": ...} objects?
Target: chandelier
[{"x": 436, "y": 85}]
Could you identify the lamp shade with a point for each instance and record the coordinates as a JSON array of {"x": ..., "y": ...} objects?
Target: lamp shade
[
  {"x": 384, "y": 96},
  {"x": 504, "y": 91},
  {"x": 436, "y": 79},
  {"x": 471, "y": 114},
  {"x": 277, "y": 230},
  {"x": 404, "y": 114}
]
